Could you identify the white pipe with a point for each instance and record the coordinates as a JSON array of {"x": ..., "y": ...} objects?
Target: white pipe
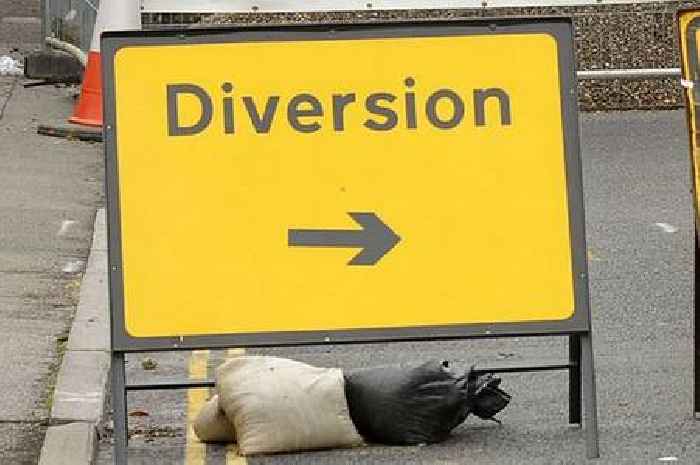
[
  {"x": 629, "y": 74},
  {"x": 69, "y": 48}
]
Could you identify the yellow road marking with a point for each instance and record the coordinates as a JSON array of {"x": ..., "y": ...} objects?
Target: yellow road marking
[
  {"x": 232, "y": 457},
  {"x": 195, "y": 452}
]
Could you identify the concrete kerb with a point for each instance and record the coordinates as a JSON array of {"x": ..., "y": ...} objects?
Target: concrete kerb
[{"x": 81, "y": 386}]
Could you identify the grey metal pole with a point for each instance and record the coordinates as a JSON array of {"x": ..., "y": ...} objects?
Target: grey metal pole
[
  {"x": 696, "y": 336},
  {"x": 575, "y": 379},
  {"x": 589, "y": 396},
  {"x": 119, "y": 407}
]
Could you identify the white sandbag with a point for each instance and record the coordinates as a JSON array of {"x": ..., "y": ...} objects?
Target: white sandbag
[
  {"x": 212, "y": 425},
  {"x": 279, "y": 405}
]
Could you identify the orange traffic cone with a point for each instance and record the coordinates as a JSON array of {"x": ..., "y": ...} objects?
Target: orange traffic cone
[{"x": 112, "y": 15}]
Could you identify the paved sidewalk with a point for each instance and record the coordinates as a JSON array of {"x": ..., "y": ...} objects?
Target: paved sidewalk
[{"x": 49, "y": 191}]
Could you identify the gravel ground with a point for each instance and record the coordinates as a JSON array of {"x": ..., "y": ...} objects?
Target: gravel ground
[{"x": 607, "y": 37}]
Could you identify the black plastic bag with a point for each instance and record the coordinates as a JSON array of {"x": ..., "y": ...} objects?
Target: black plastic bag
[
  {"x": 417, "y": 404},
  {"x": 486, "y": 398}
]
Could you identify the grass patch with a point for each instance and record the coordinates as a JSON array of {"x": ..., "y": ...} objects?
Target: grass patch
[{"x": 60, "y": 347}]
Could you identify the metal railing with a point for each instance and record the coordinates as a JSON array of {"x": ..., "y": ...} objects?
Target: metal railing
[
  {"x": 71, "y": 21},
  {"x": 305, "y": 6}
]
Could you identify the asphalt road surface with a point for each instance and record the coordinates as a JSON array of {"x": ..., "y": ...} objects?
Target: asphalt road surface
[{"x": 639, "y": 228}]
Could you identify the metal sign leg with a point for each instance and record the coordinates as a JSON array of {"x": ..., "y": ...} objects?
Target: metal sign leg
[
  {"x": 589, "y": 396},
  {"x": 696, "y": 336},
  {"x": 575, "y": 379},
  {"x": 119, "y": 407}
]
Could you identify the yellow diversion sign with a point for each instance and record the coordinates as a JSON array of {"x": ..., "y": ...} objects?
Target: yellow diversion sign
[{"x": 340, "y": 181}]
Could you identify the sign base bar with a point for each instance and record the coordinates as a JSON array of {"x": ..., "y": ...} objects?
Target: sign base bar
[{"x": 210, "y": 383}]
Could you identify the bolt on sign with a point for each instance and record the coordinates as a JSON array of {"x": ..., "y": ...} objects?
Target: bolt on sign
[
  {"x": 353, "y": 182},
  {"x": 315, "y": 184},
  {"x": 689, "y": 34}
]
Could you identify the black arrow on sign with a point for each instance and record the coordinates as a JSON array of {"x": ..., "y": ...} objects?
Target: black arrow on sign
[{"x": 375, "y": 238}]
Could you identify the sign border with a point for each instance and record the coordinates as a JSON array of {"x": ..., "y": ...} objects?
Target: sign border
[{"x": 560, "y": 28}]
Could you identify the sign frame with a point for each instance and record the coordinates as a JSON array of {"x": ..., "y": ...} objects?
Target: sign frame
[
  {"x": 690, "y": 77},
  {"x": 558, "y": 27},
  {"x": 580, "y": 366}
]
